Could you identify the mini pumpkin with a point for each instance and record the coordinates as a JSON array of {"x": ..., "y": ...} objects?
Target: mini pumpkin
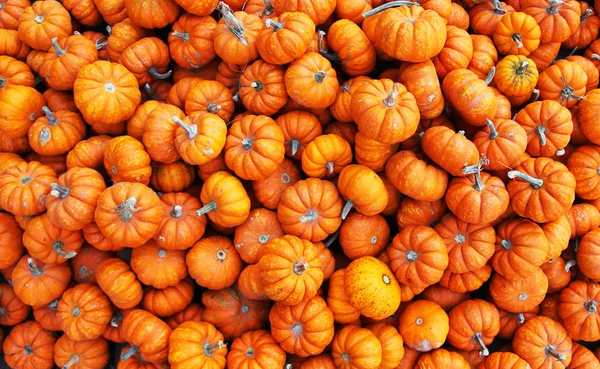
[
  {"x": 424, "y": 325},
  {"x": 84, "y": 312},
  {"x": 214, "y": 263}
]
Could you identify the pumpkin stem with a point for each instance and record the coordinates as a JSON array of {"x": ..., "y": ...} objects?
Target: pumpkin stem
[
  {"x": 191, "y": 131},
  {"x": 520, "y": 318},
  {"x": 182, "y": 35},
  {"x": 59, "y": 51},
  {"x": 330, "y": 167},
  {"x": 300, "y": 267},
  {"x": 58, "y": 248},
  {"x": 331, "y": 56},
  {"x": 130, "y": 352},
  {"x": 518, "y": 40},
  {"x": 285, "y": 178},
  {"x": 256, "y": 85},
  {"x": 484, "y": 350},
  {"x": 73, "y": 359},
  {"x": 553, "y": 8},
  {"x": 247, "y": 143},
  {"x": 490, "y": 76},
  {"x": 211, "y": 206},
  {"x": 390, "y": 100},
  {"x": 232, "y": 23},
  {"x": 331, "y": 239},
  {"x": 213, "y": 108},
  {"x": 460, "y": 238},
  {"x": 347, "y": 207},
  {"x": 492, "y": 127},
  {"x": 570, "y": 264},
  {"x": 391, "y": 4},
  {"x": 535, "y": 95},
  {"x": 35, "y": 270},
  {"x": 177, "y": 211},
  {"x": 310, "y": 216},
  {"x": 149, "y": 92},
  {"x": 221, "y": 255},
  {"x": 39, "y": 18},
  {"x": 541, "y": 131},
  {"x": 154, "y": 73},
  {"x": 522, "y": 68},
  {"x": 591, "y": 306},
  {"x": 76, "y": 311},
  {"x": 53, "y": 305},
  {"x": 476, "y": 170},
  {"x": 263, "y": 238},
  {"x": 2, "y": 82},
  {"x": 297, "y": 329},
  {"x": 59, "y": 191},
  {"x": 320, "y": 76},
  {"x": 346, "y": 357},
  {"x": 27, "y": 350},
  {"x": 567, "y": 93},
  {"x": 586, "y": 14},
  {"x": 101, "y": 43},
  {"x": 506, "y": 244},
  {"x": 295, "y": 144},
  {"x": 109, "y": 30},
  {"x": 373, "y": 240},
  {"x": 116, "y": 319},
  {"x": 249, "y": 352},
  {"x": 126, "y": 209},
  {"x": 498, "y": 7},
  {"x": 534, "y": 182},
  {"x": 209, "y": 348},
  {"x": 575, "y": 245},
  {"x": 83, "y": 273},
  {"x": 50, "y": 116},
  {"x": 271, "y": 23},
  {"x": 551, "y": 351},
  {"x": 412, "y": 255}
]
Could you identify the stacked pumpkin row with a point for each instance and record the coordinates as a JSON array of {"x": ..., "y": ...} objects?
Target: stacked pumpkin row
[{"x": 348, "y": 184}]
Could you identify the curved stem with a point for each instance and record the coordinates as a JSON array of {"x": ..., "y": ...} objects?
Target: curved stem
[
  {"x": 541, "y": 131},
  {"x": 116, "y": 319},
  {"x": 57, "y": 247},
  {"x": 50, "y": 116},
  {"x": 182, "y": 35},
  {"x": 59, "y": 191},
  {"x": 391, "y": 4},
  {"x": 586, "y": 14},
  {"x": 127, "y": 209},
  {"x": 390, "y": 100},
  {"x": 492, "y": 127},
  {"x": 35, "y": 270},
  {"x": 551, "y": 351},
  {"x": 535, "y": 95},
  {"x": 568, "y": 93},
  {"x": 498, "y": 7},
  {"x": 330, "y": 166},
  {"x": 232, "y": 23},
  {"x": 484, "y": 350},
  {"x": 130, "y": 352},
  {"x": 149, "y": 91},
  {"x": 73, "y": 360},
  {"x": 191, "y": 131},
  {"x": 101, "y": 43},
  {"x": 534, "y": 182},
  {"x": 347, "y": 207},
  {"x": 518, "y": 40},
  {"x": 331, "y": 56},
  {"x": 295, "y": 144},
  {"x": 522, "y": 68},
  {"x": 490, "y": 76},
  {"x": 153, "y": 72},
  {"x": 211, "y": 206},
  {"x": 520, "y": 318},
  {"x": 209, "y": 348},
  {"x": 59, "y": 51},
  {"x": 331, "y": 239},
  {"x": 271, "y": 23},
  {"x": 570, "y": 264},
  {"x": 54, "y": 305},
  {"x": 595, "y": 56}
]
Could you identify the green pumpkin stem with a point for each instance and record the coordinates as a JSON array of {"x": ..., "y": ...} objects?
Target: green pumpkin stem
[
  {"x": 58, "y": 248},
  {"x": 326, "y": 53},
  {"x": 51, "y": 118},
  {"x": 129, "y": 353},
  {"x": 347, "y": 207},
  {"x": 518, "y": 40},
  {"x": 522, "y": 68},
  {"x": 498, "y": 7},
  {"x": 211, "y": 206},
  {"x": 490, "y": 76},
  {"x": 492, "y": 127},
  {"x": 182, "y": 35},
  {"x": 479, "y": 340},
  {"x": 59, "y": 51}
]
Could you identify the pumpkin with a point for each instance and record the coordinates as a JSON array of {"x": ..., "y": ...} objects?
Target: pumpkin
[
  {"x": 193, "y": 312},
  {"x": 452, "y": 151},
  {"x": 326, "y": 156},
  {"x": 339, "y": 301},
  {"x": 473, "y": 325},
  {"x": 319, "y": 12},
  {"x": 113, "y": 331},
  {"x": 172, "y": 265},
  {"x": 545, "y": 55},
  {"x": 262, "y": 88},
  {"x": 40, "y": 23},
  {"x": 506, "y": 360},
  {"x": 46, "y": 315},
  {"x": 170, "y": 300},
  {"x": 351, "y": 47},
  {"x": 444, "y": 297},
  {"x": 49, "y": 243},
  {"x": 310, "y": 209},
  {"x": 517, "y": 33},
  {"x": 56, "y": 133},
  {"x": 456, "y": 53},
  {"x": 85, "y": 263},
  {"x": 212, "y": 97},
  {"x": 486, "y": 15},
  {"x": 290, "y": 269},
  {"x": 255, "y": 349},
  {"x": 421, "y": 80},
  {"x": 254, "y": 147},
  {"x": 94, "y": 236},
  {"x": 311, "y": 81},
  {"x": 39, "y": 284},
  {"x": 236, "y": 35},
  {"x": 250, "y": 237},
  {"x": 519, "y": 295},
  {"x": 468, "y": 281},
  {"x": 119, "y": 283},
  {"x": 364, "y": 190},
  {"x": 442, "y": 358},
  {"x": 249, "y": 283},
  {"x": 11, "y": 237},
  {"x": 123, "y": 34},
  {"x": 84, "y": 311},
  {"x": 285, "y": 38},
  {"x": 538, "y": 178},
  {"x": 64, "y": 60},
  {"x": 424, "y": 325},
  {"x": 582, "y": 163},
  {"x": 408, "y": 26},
  {"x": 415, "y": 212},
  {"x": 577, "y": 308},
  {"x": 405, "y": 166},
  {"x": 362, "y": 235},
  {"x": 21, "y": 106},
  {"x": 582, "y": 357},
  {"x": 29, "y": 346},
  {"x": 196, "y": 342},
  {"x": 557, "y": 21},
  {"x": 299, "y": 129},
  {"x": 418, "y": 256},
  {"x": 24, "y": 187},
  {"x": 356, "y": 347},
  {"x": 14, "y": 72},
  {"x": 542, "y": 342},
  {"x": 368, "y": 279},
  {"x": 225, "y": 200},
  {"x": 11, "y": 12},
  {"x": 180, "y": 90},
  {"x": 106, "y": 93},
  {"x": 180, "y": 227},
  {"x": 502, "y": 142},
  {"x": 510, "y": 322},
  {"x": 587, "y": 30},
  {"x": 92, "y": 354},
  {"x": 128, "y": 214},
  {"x": 214, "y": 263},
  {"x": 582, "y": 219},
  {"x": 191, "y": 41},
  {"x": 13, "y": 46},
  {"x": 587, "y": 110},
  {"x": 269, "y": 190},
  {"x": 88, "y": 153},
  {"x": 564, "y": 81},
  {"x": 341, "y": 107},
  {"x": 12, "y": 310},
  {"x": 147, "y": 58},
  {"x": 147, "y": 335}
]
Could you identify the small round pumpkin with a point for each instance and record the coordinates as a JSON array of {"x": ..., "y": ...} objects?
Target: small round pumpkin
[{"x": 424, "y": 325}]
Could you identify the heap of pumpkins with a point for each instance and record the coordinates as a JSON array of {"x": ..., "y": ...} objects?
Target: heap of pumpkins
[{"x": 265, "y": 183}]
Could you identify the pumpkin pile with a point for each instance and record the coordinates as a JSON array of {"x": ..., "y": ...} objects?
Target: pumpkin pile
[{"x": 321, "y": 184}]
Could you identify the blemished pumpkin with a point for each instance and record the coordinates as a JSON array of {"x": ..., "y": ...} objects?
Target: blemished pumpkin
[{"x": 424, "y": 325}]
